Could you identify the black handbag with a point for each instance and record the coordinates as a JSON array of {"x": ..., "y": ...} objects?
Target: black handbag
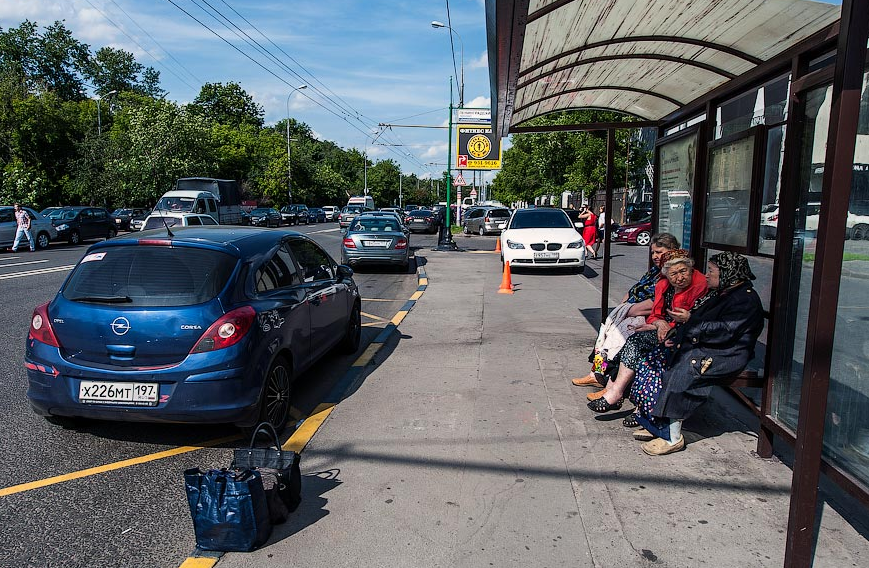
[
  {"x": 229, "y": 509},
  {"x": 273, "y": 461}
]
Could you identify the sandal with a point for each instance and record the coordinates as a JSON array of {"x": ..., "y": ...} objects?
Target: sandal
[
  {"x": 601, "y": 405},
  {"x": 630, "y": 421}
]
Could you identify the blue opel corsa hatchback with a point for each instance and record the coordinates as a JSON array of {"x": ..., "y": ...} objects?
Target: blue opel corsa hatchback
[{"x": 200, "y": 325}]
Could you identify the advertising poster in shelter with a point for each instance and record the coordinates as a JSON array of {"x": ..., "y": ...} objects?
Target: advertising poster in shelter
[
  {"x": 675, "y": 177},
  {"x": 729, "y": 197}
]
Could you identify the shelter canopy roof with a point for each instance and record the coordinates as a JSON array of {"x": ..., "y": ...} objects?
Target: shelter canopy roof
[{"x": 644, "y": 58}]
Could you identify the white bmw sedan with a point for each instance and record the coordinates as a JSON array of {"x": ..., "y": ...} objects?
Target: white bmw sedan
[{"x": 542, "y": 238}]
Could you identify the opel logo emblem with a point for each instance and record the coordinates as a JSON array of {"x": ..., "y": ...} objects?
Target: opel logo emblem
[{"x": 121, "y": 326}]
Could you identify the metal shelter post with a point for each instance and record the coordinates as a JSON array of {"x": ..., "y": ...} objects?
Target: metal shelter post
[
  {"x": 821, "y": 326},
  {"x": 610, "y": 180}
]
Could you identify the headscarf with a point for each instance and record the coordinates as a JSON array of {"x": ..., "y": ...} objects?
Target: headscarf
[
  {"x": 676, "y": 253},
  {"x": 733, "y": 267}
]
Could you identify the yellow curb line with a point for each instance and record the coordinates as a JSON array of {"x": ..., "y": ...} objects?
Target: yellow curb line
[
  {"x": 367, "y": 355},
  {"x": 417, "y": 295},
  {"x": 198, "y": 562},
  {"x": 481, "y": 252},
  {"x": 380, "y": 300},
  {"x": 112, "y": 466},
  {"x": 309, "y": 427},
  {"x": 399, "y": 317}
]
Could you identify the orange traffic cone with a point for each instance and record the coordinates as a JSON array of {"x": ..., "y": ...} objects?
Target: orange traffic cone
[
  {"x": 506, "y": 282},
  {"x": 498, "y": 245}
]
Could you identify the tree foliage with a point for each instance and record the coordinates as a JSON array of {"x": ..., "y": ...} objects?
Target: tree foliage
[
  {"x": 552, "y": 163},
  {"x": 126, "y": 144}
]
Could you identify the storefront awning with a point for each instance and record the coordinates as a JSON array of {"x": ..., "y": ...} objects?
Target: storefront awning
[{"x": 644, "y": 58}]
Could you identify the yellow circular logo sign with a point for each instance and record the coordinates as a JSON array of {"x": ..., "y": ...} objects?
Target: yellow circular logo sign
[{"x": 479, "y": 146}]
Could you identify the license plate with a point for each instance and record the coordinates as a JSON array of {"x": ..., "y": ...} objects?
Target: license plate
[
  {"x": 128, "y": 394},
  {"x": 419, "y": 220},
  {"x": 545, "y": 255},
  {"x": 378, "y": 244},
  {"x": 500, "y": 225}
]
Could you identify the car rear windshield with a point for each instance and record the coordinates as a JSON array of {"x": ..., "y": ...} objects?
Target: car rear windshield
[
  {"x": 352, "y": 209},
  {"x": 421, "y": 213},
  {"x": 541, "y": 219},
  {"x": 498, "y": 213},
  {"x": 375, "y": 225},
  {"x": 161, "y": 222},
  {"x": 144, "y": 275}
]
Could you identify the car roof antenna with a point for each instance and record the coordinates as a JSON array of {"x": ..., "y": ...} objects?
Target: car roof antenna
[{"x": 165, "y": 224}]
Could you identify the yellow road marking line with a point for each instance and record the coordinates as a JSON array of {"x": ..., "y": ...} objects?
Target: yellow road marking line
[
  {"x": 380, "y": 300},
  {"x": 378, "y": 318},
  {"x": 423, "y": 282},
  {"x": 416, "y": 295},
  {"x": 112, "y": 466},
  {"x": 199, "y": 562},
  {"x": 367, "y": 355},
  {"x": 309, "y": 427},
  {"x": 375, "y": 324},
  {"x": 399, "y": 317},
  {"x": 482, "y": 252}
]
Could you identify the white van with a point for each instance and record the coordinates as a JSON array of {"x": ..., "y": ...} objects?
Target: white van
[
  {"x": 201, "y": 202},
  {"x": 363, "y": 200}
]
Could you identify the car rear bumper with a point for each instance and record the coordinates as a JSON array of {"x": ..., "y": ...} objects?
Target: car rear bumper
[
  {"x": 189, "y": 392},
  {"x": 375, "y": 257}
]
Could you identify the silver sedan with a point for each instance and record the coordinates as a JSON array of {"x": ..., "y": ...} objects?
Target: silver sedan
[{"x": 375, "y": 239}]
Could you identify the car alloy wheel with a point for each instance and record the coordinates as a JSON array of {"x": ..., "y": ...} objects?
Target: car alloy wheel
[
  {"x": 466, "y": 230},
  {"x": 276, "y": 395},
  {"x": 482, "y": 231},
  {"x": 112, "y": 234},
  {"x": 42, "y": 240},
  {"x": 74, "y": 238},
  {"x": 644, "y": 238}
]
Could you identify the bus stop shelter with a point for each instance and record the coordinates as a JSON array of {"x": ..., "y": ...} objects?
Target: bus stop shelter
[{"x": 762, "y": 115}]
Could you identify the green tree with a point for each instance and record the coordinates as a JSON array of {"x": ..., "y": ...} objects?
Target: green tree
[{"x": 227, "y": 104}]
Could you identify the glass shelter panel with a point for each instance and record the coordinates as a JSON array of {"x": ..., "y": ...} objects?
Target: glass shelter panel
[
  {"x": 775, "y": 146},
  {"x": 792, "y": 328},
  {"x": 846, "y": 433},
  {"x": 729, "y": 192},
  {"x": 675, "y": 174}
]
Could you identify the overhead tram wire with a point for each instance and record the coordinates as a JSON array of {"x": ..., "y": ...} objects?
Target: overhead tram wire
[
  {"x": 279, "y": 78},
  {"x": 143, "y": 48},
  {"x": 236, "y": 30},
  {"x": 166, "y": 51},
  {"x": 353, "y": 113},
  {"x": 291, "y": 58}
]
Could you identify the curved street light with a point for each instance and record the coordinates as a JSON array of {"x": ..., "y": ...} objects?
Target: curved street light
[
  {"x": 99, "y": 113},
  {"x": 289, "y": 154},
  {"x": 435, "y": 24}
]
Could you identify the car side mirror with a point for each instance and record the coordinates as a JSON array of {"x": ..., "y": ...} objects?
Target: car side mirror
[{"x": 344, "y": 272}]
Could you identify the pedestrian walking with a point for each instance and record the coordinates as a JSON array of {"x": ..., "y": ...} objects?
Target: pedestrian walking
[
  {"x": 589, "y": 229},
  {"x": 601, "y": 230},
  {"x": 23, "y": 219}
]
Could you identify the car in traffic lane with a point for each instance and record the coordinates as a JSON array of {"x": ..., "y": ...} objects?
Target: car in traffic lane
[
  {"x": 542, "y": 238},
  {"x": 210, "y": 325},
  {"x": 485, "y": 220},
  {"x": 41, "y": 228},
  {"x": 422, "y": 220},
  {"x": 265, "y": 217},
  {"x": 639, "y": 233},
  {"x": 376, "y": 238},
  {"x": 78, "y": 224},
  {"x": 168, "y": 220}
]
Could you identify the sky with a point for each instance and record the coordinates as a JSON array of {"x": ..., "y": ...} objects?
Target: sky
[{"x": 380, "y": 61}]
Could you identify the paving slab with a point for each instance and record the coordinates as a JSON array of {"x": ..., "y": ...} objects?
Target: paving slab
[{"x": 466, "y": 445}]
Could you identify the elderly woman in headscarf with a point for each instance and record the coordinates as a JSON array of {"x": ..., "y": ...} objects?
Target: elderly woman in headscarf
[
  {"x": 674, "y": 296},
  {"x": 716, "y": 341}
]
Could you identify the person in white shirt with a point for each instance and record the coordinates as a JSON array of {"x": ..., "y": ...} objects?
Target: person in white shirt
[{"x": 23, "y": 219}]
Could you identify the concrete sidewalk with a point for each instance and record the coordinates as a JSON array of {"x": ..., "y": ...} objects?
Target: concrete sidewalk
[{"x": 466, "y": 445}]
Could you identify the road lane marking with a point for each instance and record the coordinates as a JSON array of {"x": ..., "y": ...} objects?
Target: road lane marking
[
  {"x": 9, "y": 258},
  {"x": 199, "y": 562},
  {"x": 36, "y": 272},
  {"x": 380, "y": 300},
  {"x": 481, "y": 252},
  {"x": 113, "y": 466},
  {"x": 374, "y": 324},
  {"x": 23, "y": 263},
  {"x": 378, "y": 318},
  {"x": 322, "y": 231},
  {"x": 309, "y": 427},
  {"x": 367, "y": 355}
]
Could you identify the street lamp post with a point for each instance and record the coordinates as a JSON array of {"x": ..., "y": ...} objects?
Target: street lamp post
[
  {"x": 289, "y": 154},
  {"x": 99, "y": 112},
  {"x": 435, "y": 24}
]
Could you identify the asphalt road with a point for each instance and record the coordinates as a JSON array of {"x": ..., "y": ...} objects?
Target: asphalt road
[{"x": 132, "y": 513}]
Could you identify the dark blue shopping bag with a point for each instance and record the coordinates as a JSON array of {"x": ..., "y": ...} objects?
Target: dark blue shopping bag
[{"x": 229, "y": 509}]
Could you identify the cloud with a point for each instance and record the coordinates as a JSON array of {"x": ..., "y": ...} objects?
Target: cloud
[
  {"x": 481, "y": 62},
  {"x": 435, "y": 151},
  {"x": 480, "y": 102}
]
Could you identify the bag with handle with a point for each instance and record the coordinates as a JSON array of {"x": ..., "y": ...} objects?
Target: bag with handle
[
  {"x": 275, "y": 462},
  {"x": 229, "y": 509}
]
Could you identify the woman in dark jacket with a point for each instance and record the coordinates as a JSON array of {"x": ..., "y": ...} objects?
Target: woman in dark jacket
[{"x": 717, "y": 341}]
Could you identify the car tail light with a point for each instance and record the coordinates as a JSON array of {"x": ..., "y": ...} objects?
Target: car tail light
[
  {"x": 40, "y": 327},
  {"x": 348, "y": 242},
  {"x": 487, "y": 220},
  {"x": 401, "y": 244},
  {"x": 227, "y": 331},
  {"x": 428, "y": 219}
]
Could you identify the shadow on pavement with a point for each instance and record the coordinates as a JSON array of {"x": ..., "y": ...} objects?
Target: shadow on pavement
[{"x": 313, "y": 505}]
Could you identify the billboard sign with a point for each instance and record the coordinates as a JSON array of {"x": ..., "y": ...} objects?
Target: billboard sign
[
  {"x": 474, "y": 116},
  {"x": 477, "y": 148}
]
